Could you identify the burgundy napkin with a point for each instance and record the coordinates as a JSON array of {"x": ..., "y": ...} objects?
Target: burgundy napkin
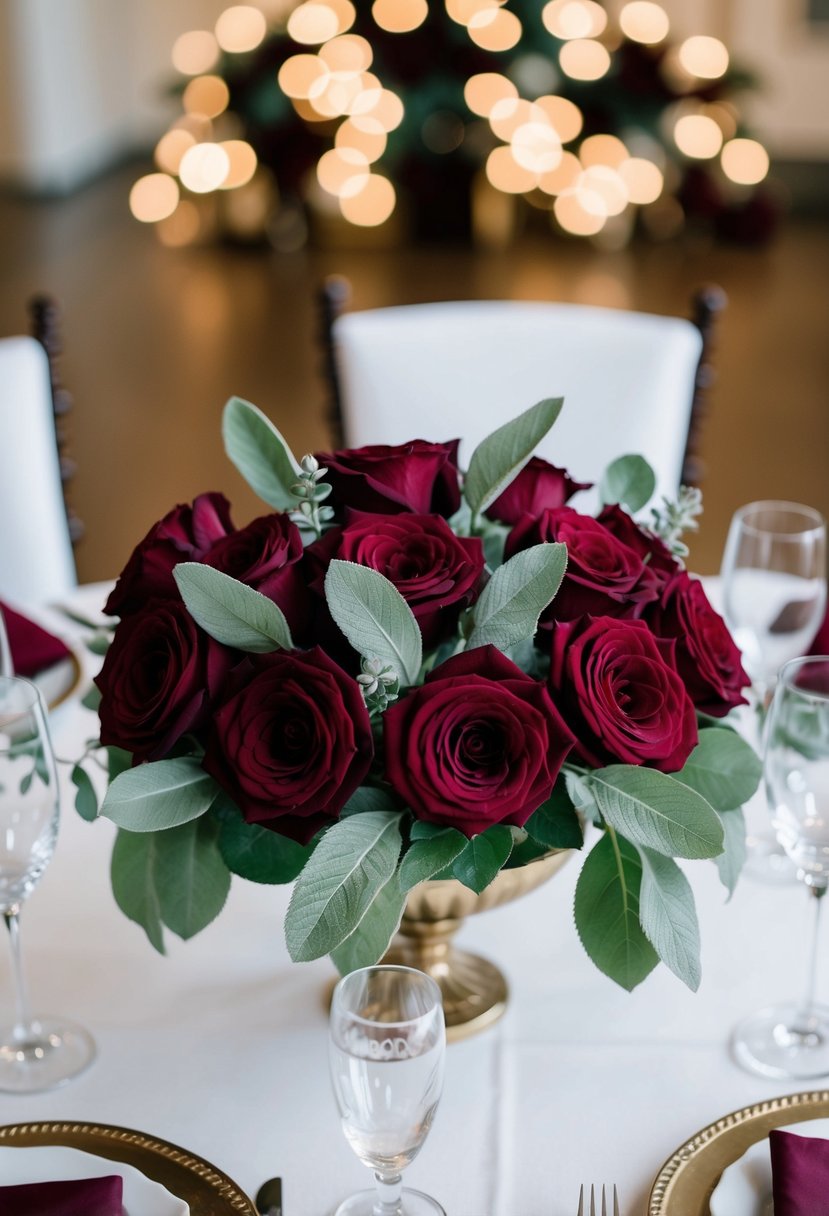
[
  {"x": 821, "y": 642},
  {"x": 84, "y": 1197},
  {"x": 33, "y": 649},
  {"x": 800, "y": 1174}
]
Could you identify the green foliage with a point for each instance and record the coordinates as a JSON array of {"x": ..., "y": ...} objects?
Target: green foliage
[
  {"x": 607, "y": 912},
  {"x": 260, "y": 453},
  {"x": 655, "y": 810},
  {"x": 730, "y": 862},
  {"x": 512, "y": 601},
  {"x": 230, "y": 611},
  {"x": 132, "y": 873},
  {"x": 91, "y": 699},
  {"x": 427, "y": 856},
  {"x": 482, "y": 857},
  {"x": 86, "y": 800},
  {"x": 374, "y": 617},
  {"x": 191, "y": 879},
  {"x": 500, "y": 457},
  {"x": 353, "y": 860},
  {"x": 629, "y": 481},
  {"x": 372, "y": 937},
  {"x": 257, "y": 853},
  {"x": 161, "y": 795},
  {"x": 669, "y": 916},
  {"x": 369, "y": 798},
  {"x": 556, "y": 824},
  {"x": 723, "y": 768}
]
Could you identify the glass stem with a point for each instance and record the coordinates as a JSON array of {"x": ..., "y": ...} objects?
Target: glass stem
[
  {"x": 389, "y": 1201},
  {"x": 805, "y": 1014},
  {"x": 23, "y": 1025}
]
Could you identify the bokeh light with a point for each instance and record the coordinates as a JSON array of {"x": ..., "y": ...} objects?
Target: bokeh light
[
  {"x": 603, "y": 150},
  {"x": 206, "y": 95},
  {"x": 565, "y": 116},
  {"x": 602, "y": 191},
  {"x": 154, "y": 197},
  {"x": 563, "y": 177},
  {"x": 574, "y": 18},
  {"x": 182, "y": 227},
  {"x": 242, "y": 160},
  {"x": 300, "y": 73},
  {"x": 505, "y": 173},
  {"x": 204, "y": 167},
  {"x": 369, "y": 139},
  {"x": 583, "y": 59},
  {"x": 343, "y": 171},
  {"x": 311, "y": 23},
  {"x": 399, "y": 16},
  {"x": 171, "y": 147},
  {"x": 745, "y": 161},
  {"x": 495, "y": 29},
  {"x": 372, "y": 205},
  {"x": 485, "y": 90},
  {"x": 643, "y": 179},
  {"x": 241, "y": 28},
  {"x": 698, "y": 136},
  {"x": 704, "y": 57},
  {"x": 536, "y": 147},
  {"x": 573, "y": 216},
  {"x": 644, "y": 21},
  {"x": 349, "y": 53},
  {"x": 195, "y": 52}
]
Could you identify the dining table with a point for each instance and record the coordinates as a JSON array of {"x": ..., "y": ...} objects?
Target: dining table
[{"x": 221, "y": 1045}]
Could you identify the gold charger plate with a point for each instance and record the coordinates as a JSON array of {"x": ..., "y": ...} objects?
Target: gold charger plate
[
  {"x": 684, "y": 1185},
  {"x": 207, "y": 1190}
]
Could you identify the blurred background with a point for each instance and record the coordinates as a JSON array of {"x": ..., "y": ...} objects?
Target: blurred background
[{"x": 180, "y": 175}]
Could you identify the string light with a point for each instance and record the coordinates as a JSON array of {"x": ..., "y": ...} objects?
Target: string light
[
  {"x": 698, "y": 136},
  {"x": 241, "y": 28},
  {"x": 574, "y": 217},
  {"x": 195, "y": 52},
  {"x": 495, "y": 29},
  {"x": 563, "y": 177},
  {"x": 484, "y": 91},
  {"x": 204, "y": 167},
  {"x": 643, "y": 179},
  {"x": 171, "y": 147},
  {"x": 154, "y": 197},
  {"x": 565, "y": 117},
  {"x": 372, "y": 205},
  {"x": 312, "y": 23},
  {"x": 603, "y": 150},
  {"x": 704, "y": 57},
  {"x": 399, "y": 16},
  {"x": 243, "y": 163},
  {"x": 206, "y": 95},
  {"x": 745, "y": 161},
  {"x": 505, "y": 173},
  {"x": 583, "y": 59},
  {"x": 574, "y": 18},
  {"x": 643, "y": 21}
]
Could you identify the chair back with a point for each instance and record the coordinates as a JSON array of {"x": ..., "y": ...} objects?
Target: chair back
[
  {"x": 36, "y": 563},
  {"x": 438, "y": 371}
]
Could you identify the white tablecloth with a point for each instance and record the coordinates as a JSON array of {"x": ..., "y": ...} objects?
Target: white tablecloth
[{"x": 221, "y": 1046}]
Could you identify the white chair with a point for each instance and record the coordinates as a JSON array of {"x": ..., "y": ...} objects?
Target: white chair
[
  {"x": 439, "y": 371},
  {"x": 36, "y": 563}
]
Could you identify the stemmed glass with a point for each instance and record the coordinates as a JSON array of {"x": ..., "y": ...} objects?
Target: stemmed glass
[
  {"x": 387, "y": 1047},
  {"x": 35, "y": 1053},
  {"x": 774, "y": 591},
  {"x": 6, "y": 664},
  {"x": 792, "y": 1039}
]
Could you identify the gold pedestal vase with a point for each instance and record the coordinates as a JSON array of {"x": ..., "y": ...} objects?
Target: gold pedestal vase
[{"x": 474, "y": 991}]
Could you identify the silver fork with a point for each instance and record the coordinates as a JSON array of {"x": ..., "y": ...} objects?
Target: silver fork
[{"x": 592, "y": 1209}]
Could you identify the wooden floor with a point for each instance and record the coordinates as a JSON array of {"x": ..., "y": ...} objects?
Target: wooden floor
[{"x": 157, "y": 339}]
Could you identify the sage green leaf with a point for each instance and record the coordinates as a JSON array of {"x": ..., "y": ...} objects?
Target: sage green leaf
[
  {"x": 607, "y": 912},
  {"x": 655, "y": 810},
  {"x": 730, "y": 862},
  {"x": 499, "y": 458},
  {"x": 374, "y": 617},
  {"x": 231, "y": 612},
  {"x": 369, "y": 798},
  {"x": 161, "y": 795},
  {"x": 132, "y": 873},
  {"x": 580, "y": 793},
  {"x": 260, "y": 453},
  {"x": 483, "y": 857},
  {"x": 421, "y": 829},
  {"x": 86, "y": 800},
  {"x": 669, "y": 916},
  {"x": 723, "y": 768},
  {"x": 630, "y": 481},
  {"x": 425, "y": 858},
  {"x": 555, "y": 823},
  {"x": 99, "y": 643},
  {"x": 258, "y": 854},
  {"x": 372, "y": 937},
  {"x": 92, "y": 699},
  {"x": 510, "y": 604},
  {"x": 191, "y": 879},
  {"x": 353, "y": 860}
]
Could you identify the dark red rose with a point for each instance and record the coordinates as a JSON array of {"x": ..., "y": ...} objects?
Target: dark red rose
[
  {"x": 159, "y": 680},
  {"x": 650, "y": 547},
  {"x": 605, "y": 577},
  {"x": 265, "y": 555},
  {"x": 415, "y": 476},
  {"x": 707, "y": 657},
  {"x": 292, "y": 742},
  {"x": 435, "y": 571},
  {"x": 479, "y": 743},
  {"x": 620, "y": 692},
  {"x": 539, "y": 485},
  {"x": 185, "y": 534}
]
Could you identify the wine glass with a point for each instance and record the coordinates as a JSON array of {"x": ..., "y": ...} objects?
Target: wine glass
[
  {"x": 387, "y": 1048},
  {"x": 774, "y": 589},
  {"x": 6, "y": 663},
  {"x": 35, "y": 1053},
  {"x": 792, "y": 1039}
]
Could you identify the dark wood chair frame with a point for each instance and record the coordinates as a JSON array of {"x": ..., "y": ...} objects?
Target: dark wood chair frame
[{"x": 706, "y": 305}]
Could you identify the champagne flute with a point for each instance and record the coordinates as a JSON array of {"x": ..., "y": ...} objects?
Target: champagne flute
[
  {"x": 35, "y": 1053},
  {"x": 792, "y": 1039},
  {"x": 774, "y": 590},
  {"x": 387, "y": 1047}
]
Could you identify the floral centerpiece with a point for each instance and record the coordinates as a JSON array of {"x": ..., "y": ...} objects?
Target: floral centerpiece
[{"x": 404, "y": 672}]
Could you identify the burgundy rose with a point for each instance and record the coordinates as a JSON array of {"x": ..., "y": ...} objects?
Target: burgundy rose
[
  {"x": 650, "y": 547},
  {"x": 479, "y": 743},
  {"x": 159, "y": 680},
  {"x": 185, "y": 534},
  {"x": 435, "y": 571},
  {"x": 618, "y": 688},
  {"x": 265, "y": 555},
  {"x": 707, "y": 657},
  {"x": 539, "y": 485},
  {"x": 415, "y": 476},
  {"x": 292, "y": 742},
  {"x": 605, "y": 577}
]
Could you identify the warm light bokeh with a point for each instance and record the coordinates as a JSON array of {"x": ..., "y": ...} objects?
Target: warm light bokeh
[
  {"x": 704, "y": 57},
  {"x": 399, "y": 16},
  {"x": 574, "y": 18},
  {"x": 698, "y": 136},
  {"x": 204, "y": 167},
  {"x": 495, "y": 29},
  {"x": 171, "y": 147},
  {"x": 583, "y": 59},
  {"x": 313, "y": 23},
  {"x": 485, "y": 90},
  {"x": 195, "y": 52},
  {"x": 372, "y": 205},
  {"x": 206, "y": 95},
  {"x": 154, "y": 197},
  {"x": 644, "y": 21},
  {"x": 643, "y": 179},
  {"x": 242, "y": 160},
  {"x": 241, "y": 28},
  {"x": 745, "y": 161},
  {"x": 603, "y": 150}
]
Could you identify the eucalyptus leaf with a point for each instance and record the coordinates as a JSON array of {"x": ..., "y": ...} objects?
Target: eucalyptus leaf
[
  {"x": 260, "y": 453},
  {"x": 510, "y": 604},
  {"x": 669, "y": 917},
  {"x": 630, "y": 481},
  {"x": 257, "y": 853},
  {"x": 92, "y": 699},
  {"x": 730, "y": 862},
  {"x": 580, "y": 793},
  {"x": 500, "y": 457},
  {"x": 723, "y": 768},
  {"x": 556, "y": 823},
  {"x": 86, "y": 800},
  {"x": 132, "y": 873},
  {"x": 191, "y": 879},
  {"x": 607, "y": 912},
  {"x": 482, "y": 858},
  {"x": 369, "y": 798},
  {"x": 428, "y": 857},
  {"x": 161, "y": 795},
  {"x": 353, "y": 860},
  {"x": 372, "y": 937},
  {"x": 231, "y": 612},
  {"x": 374, "y": 617},
  {"x": 657, "y": 811}
]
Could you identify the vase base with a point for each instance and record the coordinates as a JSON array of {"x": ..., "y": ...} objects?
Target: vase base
[{"x": 474, "y": 991}]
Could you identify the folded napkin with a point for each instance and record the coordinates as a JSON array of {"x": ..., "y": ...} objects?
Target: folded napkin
[
  {"x": 800, "y": 1174},
  {"x": 33, "y": 649},
  {"x": 84, "y": 1197}
]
